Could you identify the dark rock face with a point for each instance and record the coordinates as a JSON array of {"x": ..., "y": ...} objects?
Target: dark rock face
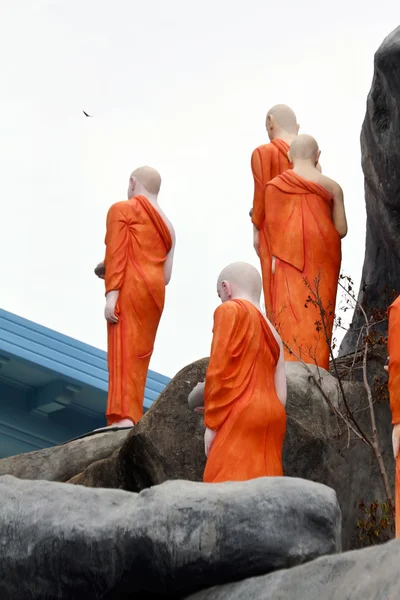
[
  {"x": 64, "y": 541},
  {"x": 380, "y": 148},
  {"x": 167, "y": 443},
  {"x": 371, "y": 574}
]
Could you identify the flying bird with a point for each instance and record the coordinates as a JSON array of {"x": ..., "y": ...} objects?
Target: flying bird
[{"x": 85, "y": 113}]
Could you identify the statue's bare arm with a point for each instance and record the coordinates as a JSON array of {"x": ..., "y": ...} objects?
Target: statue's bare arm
[
  {"x": 170, "y": 259},
  {"x": 256, "y": 239},
  {"x": 196, "y": 398},
  {"x": 338, "y": 211}
]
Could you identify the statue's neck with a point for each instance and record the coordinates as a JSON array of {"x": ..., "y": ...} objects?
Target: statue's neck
[
  {"x": 303, "y": 167},
  {"x": 285, "y": 136},
  {"x": 249, "y": 298}
]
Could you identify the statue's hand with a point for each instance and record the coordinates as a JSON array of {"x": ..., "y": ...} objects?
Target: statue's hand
[
  {"x": 100, "y": 270},
  {"x": 386, "y": 367},
  {"x": 196, "y": 398},
  {"x": 109, "y": 311},
  {"x": 396, "y": 439},
  {"x": 209, "y": 438}
]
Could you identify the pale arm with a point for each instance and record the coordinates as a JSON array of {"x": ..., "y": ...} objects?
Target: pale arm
[
  {"x": 338, "y": 211},
  {"x": 109, "y": 311},
  {"x": 169, "y": 262},
  {"x": 256, "y": 239},
  {"x": 196, "y": 398}
]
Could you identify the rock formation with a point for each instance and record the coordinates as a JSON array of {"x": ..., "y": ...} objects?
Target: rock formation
[
  {"x": 380, "y": 149},
  {"x": 370, "y": 574},
  {"x": 66, "y": 541},
  {"x": 168, "y": 444}
]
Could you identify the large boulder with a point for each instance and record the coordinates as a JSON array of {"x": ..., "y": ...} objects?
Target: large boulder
[
  {"x": 168, "y": 443},
  {"x": 64, "y": 541},
  {"x": 370, "y": 574},
  {"x": 60, "y": 463},
  {"x": 380, "y": 149}
]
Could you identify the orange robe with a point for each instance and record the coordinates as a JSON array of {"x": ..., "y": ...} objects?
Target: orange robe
[
  {"x": 394, "y": 387},
  {"x": 297, "y": 221},
  {"x": 137, "y": 244},
  {"x": 267, "y": 162},
  {"x": 241, "y": 403}
]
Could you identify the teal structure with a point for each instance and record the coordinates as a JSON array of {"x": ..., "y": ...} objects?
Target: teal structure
[{"x": 52, "y": 387}]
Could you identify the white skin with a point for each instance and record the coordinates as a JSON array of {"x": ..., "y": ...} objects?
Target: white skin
[
  {"x": 136, "y": 188},
  {"x": 396, "y": 428},
  {"x": 242, "y": 281}
]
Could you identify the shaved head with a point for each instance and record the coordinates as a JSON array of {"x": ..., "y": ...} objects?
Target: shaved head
[
  {"x": 284, "y": 117},
  {"x": 244, "y": 281},
  {"x": 303, "y": 147},
  {"x": 148, "y": 178}
]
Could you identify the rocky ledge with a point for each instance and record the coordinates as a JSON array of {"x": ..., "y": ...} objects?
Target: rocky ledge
[{"x": 65, "y": 541}]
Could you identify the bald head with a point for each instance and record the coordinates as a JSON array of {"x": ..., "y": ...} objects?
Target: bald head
[
  {"x": 144, "y": 179},
  {"x": 281, "y": 118},
  {"x": 239, "y": 280},
  {"x": 304, "y": 148}
]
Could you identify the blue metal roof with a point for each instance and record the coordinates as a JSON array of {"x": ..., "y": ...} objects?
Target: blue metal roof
[{"x": 41, "y": 363}]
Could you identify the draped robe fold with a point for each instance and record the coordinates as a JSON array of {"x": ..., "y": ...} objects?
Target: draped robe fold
[
  {"x": 297, "y": 222},
  {"x": 394, "y": 388},
  {"x": 137, "y": 244},
  {"x": 267, "y": 162},
  {"x": 241, "y": 403}
]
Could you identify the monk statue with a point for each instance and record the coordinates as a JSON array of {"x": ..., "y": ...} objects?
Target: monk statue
[
  {"x": 267, "y": 162},
  {"x": 140, "y": 243},
  {"x": 270, "y": 160},
  {"x": 244, "y": 394},
  {"x": 303, "y": 218},
  {"x": 394, "y": 393}
]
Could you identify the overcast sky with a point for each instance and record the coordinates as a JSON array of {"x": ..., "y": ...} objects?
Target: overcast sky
[{"x": 183, "y": 86}]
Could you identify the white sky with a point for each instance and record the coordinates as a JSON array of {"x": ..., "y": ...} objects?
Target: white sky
[{"x": 183, "y": 86}]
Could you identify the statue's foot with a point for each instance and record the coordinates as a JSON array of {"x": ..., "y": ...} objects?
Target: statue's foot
[{"x": 121, "y": 424}]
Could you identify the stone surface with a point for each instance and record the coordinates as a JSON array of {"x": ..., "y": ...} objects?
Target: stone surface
[
  {"x": 318, "y": 447},
  {"x": 380, "y": 149},
  {"x": 60, "y": 463},
  {"x": 64, "y": 541},
  {"x": 370, "y": 574},
  {"x": 168, "y": 444}
]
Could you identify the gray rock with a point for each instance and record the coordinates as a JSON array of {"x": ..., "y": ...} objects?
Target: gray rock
[
  {"x": 317, "y": 446},
  {"x": 168, "y": 444},
  {"x": 63, "y": 541},
  {"x": 380, "y": 149},
  {"x": 370, "y": 574},
  {"x": 60, "y": 463}
]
